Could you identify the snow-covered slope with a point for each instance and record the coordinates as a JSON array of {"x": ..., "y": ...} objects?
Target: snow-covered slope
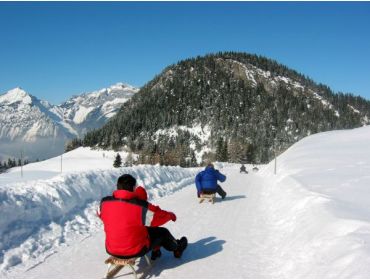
[
  {"x": 311, "y": 220},
  {"x": 319, "y": 206},
  {"x": 31, "y": 125}
]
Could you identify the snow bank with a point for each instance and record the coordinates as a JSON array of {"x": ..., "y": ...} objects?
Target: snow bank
[
  {"x": 44, "y": 214},
  {"x": 320, "y": 210}
]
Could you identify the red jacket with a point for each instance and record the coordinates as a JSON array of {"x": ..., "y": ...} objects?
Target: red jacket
[{"x": 125, "y": 216}]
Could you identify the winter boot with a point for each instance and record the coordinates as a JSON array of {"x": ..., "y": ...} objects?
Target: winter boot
[
  {"x": 223, "y": 195},
  {"x": 181, "y": 246},
  {"x": 156, "y": 253}
]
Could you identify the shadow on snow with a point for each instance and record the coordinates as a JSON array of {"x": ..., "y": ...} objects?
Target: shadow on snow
[
  {"x": 229, "y": 198},
  {"x": 201, "y": 249}
]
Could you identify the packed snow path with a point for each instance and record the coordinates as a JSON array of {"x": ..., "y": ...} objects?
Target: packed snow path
[{"x": 226, "y": 240}]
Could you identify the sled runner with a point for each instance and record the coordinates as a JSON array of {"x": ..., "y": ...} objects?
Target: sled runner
[
  {"x": 116, "y": 264},
  {"x": 209, "y": 196}
]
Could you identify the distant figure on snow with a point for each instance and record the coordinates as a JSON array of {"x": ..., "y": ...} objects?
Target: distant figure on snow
[
  {"x": 243, "y": 169},
  {"x": 206, "y": 181},
  {"x": 124, "y": 215}
]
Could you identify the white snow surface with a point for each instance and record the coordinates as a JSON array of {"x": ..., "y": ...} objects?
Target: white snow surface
[
  {"x": 311, "y": 220},
  {"x": 81, "y": 114}
]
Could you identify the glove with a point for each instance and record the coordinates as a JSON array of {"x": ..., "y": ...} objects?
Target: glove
[{"x": 172, "y": 216}]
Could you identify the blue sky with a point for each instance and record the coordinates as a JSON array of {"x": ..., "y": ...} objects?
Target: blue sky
[{"x": 57, "y": 49}]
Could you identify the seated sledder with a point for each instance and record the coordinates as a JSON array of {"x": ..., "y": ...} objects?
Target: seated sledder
[
  {"x": 124, "y": 216},
  {"x": 206, "y": 181},
  {"x": 243, "y": 169}
]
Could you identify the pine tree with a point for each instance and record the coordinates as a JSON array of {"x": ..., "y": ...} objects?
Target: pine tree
[
  {"x": 193, "y": 160},
  {"x": 73, "y": 144},
  {"x": 10, "y": 163},
  {"x": 224, "y": 155},
  {"x": 250, "y": 155},
  {"x": 219, "y": 149},
  {"x": 118, "y": 161}
]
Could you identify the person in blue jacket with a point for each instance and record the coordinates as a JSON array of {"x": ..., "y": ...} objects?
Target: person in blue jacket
[{"x": 206, "y": 181}]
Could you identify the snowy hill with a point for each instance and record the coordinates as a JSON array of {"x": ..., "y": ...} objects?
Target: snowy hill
[
  {"x": 321, "y": 205},
  {"x": 31, "y": 124},
  {"x": 245, "y": 104},
  {"x": 311, "y": 220}
]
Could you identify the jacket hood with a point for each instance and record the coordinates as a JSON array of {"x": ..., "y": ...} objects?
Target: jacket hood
[
  {"x": 124, "y": 194},
  {"x": 140, "y": 193}
]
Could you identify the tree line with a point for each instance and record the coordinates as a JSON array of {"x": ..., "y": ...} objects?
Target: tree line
[{"x": 12, "y": 162}]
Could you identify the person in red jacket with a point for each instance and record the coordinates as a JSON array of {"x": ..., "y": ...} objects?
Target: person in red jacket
[{"x": 129, "y": 231}]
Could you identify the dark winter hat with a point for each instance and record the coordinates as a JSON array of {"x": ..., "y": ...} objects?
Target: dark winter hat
[
  {"x": 126, "y": 182},
  {"x": 210, "y": 164}
]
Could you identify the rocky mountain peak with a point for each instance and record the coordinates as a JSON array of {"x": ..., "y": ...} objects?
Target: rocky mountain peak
[{"x": 15, "y": 95}]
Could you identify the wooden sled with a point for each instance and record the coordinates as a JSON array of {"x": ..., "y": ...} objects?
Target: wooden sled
[
  {"x": 207, "y": 196},
  {"x": 116, "y": 264}
]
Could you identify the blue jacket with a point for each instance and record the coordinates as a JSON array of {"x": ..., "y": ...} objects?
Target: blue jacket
[{"x": 207, "y": 179}]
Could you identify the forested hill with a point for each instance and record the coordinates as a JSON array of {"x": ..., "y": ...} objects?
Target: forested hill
[{"x": 229, "y": 107}]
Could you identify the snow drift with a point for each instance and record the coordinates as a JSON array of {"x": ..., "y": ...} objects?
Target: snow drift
[
  {"x": 319, "y": 205},
  {"x": 40, "y": 215}
]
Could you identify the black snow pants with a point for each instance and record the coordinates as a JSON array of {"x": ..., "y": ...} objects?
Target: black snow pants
[
  {"x": 219, "y": 190},
  {"x": 161, "y": 237}
]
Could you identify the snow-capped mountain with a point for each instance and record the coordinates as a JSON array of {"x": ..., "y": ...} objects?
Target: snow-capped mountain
[
  {"x": 28, "y": 126},
  {"x": 41, "y": 129},
  {"x": 92, "y": 110}
]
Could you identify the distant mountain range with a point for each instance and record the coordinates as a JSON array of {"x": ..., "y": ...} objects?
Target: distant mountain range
[
  {"x": 41, "y": 129},
  {"x": 227, "y": 106}
]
